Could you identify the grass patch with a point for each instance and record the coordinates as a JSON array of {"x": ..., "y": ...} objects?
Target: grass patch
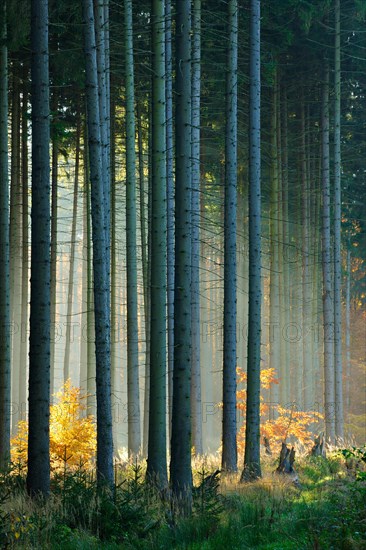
[{"x": 327, "y": 511}]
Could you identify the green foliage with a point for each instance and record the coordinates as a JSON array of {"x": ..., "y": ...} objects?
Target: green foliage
[
  {"x": 270, "y": 514},
  {"x": 356, "y": 461}
]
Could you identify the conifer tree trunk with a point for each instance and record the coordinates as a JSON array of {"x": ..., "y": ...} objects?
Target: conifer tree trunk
[
  {"x": 15, "y": 243},
  {"x": 338, "y": 367},
  {"x": 348, "y": 327},
  {"x": 5, "y": 390},
  {"x": 196, "y": 401},
  {"x": 229, "y": 447},
  {"x": 54, "y": 214},
  {"x": 156, "y": 464},
  {"x": 180, "y": 466},
  {"x": 134, "y": 431},
  {"x": 306, "y": 296},
  {"x": 70, "y": 290},
  {"x": 25, "y": 260},
  {"x": 252, "y": 468},
  {"x": 170, "y": 203},
  {"x": 114, "y": 274},
  {"x": 84, "y": 293},
  {"x": 100, "y": 258},
  {"x": 90, "y": 317},
  {"x": 274, "y": 315},
  {"x": 286, "y": 245},
  {"x": 145, "y": 275},
  {"x": 38, "y": 476},
  {"x": 328, "y": 311}
]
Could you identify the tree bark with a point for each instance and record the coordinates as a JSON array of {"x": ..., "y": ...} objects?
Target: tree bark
[
  {"x": 15, "y": 243},
  {"x": 252, "y": 468},
  {"x": 196, "y": 402},
  {"x": 100, "y": 259},
  {"x": 338, "y": 366},
  {"x": 170, "y": 203},
  {"x": 38, "y": 476},
  {"x": 229, "y": 446},
  {"x": 328, "y": 311},
  {"x": 134, "y": 431},
  {"x": 156, "y": 464},
  {"x": 25, "y": 260},
  {"x": 5, "y": 389},
  {"x": 180, "y": 466},
  {"x": 70, "y": 290}
]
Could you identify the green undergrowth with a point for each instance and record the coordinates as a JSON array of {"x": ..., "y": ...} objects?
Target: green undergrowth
[{"x": 326, "y": 511}]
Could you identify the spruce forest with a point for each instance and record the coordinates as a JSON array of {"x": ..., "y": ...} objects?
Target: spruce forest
[{"x": 183, "y": 274}]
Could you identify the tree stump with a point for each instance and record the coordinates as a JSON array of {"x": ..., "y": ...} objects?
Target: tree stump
[
  {"x": 286, "y": 464},
  {"x": 318, "y": 448},
  {"x": 267, "y": 447}
]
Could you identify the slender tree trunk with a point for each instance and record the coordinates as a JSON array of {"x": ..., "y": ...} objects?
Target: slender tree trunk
[
  {"x": 145, "y": 277},
  {"x": 229, "y": 447},
  {"x": 196, "y": 402},
  {"x": 84, "y": 291},
  {"x": 348, "y": 327},
  {"x": 38, "y": 476},
  {"x": 306, "y": 289},
  {"x": 100, "y": 259},
  {"x": 180, "y": 466},
  {"x": 252, "y": 469},
  {"x": 15, "y": 244},
  {"x": 274, "y": 316},
  {"x": 90, "y": 327},
  {"x": 54, "y": 213},
  {"x": 115, "y": 375},
  {"x": 25, "y": 261},
  {"x": 156, "y": 464},
  {"x": 286, "y": 246},
  {"x": 70, "y": 290},
  {"x": 134, "y": 432},
  {"x": 328, "y": 311},
  {"x": 170, "y": 203},
  {"x": 5, "y": 390},
  {"x": 338, "y": 367}
]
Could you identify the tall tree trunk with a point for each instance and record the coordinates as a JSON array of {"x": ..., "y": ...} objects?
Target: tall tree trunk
[
  {"x": 252, "y": 468},
  {"x": 25, "y": 260},
  {"x": 338, "y": 367},
  {"x": 156, "y": 464},
  {"x": 115, "y": 374},
  {"x": 70, "y": 290},
  {"x": 5, "y": 390},
  {"x": 90, "y": 317},
  {"x": 134, "y": 431},
  {"x": 286, "y": 246},
  {"x": 84, "y": 290},
  {"x": 100, "y": 259},
  {"x": 196, "y": 402},
  {"x": 229, "y": 447},
  {"x": 170, "y": 203},
  {"x": 38, "y": 476},
  {"x": 145, "y": 277},
  {"x": 328, "y": 311},
  {"x": 274, "y": 316},
  {"x": 306, "y": 289},
  {"x": 54, "y": 214},
  {"x": 15, "y": 243},
  {"x": 180, "y": 466},
  {"x": 348, "y": 327}
]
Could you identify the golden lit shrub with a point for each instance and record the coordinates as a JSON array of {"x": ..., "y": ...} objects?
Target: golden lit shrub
[
  {"x": 286, "y": 422},
  {"x": 72, "y": 434}
]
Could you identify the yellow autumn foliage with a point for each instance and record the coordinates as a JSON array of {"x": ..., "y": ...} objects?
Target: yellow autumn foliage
[
  {"x": 72, "y": 434},
  {"x": 287, "y": 422}
]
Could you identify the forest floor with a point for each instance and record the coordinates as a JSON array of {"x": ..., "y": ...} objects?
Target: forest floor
[{"x": 326, "y": 510}]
